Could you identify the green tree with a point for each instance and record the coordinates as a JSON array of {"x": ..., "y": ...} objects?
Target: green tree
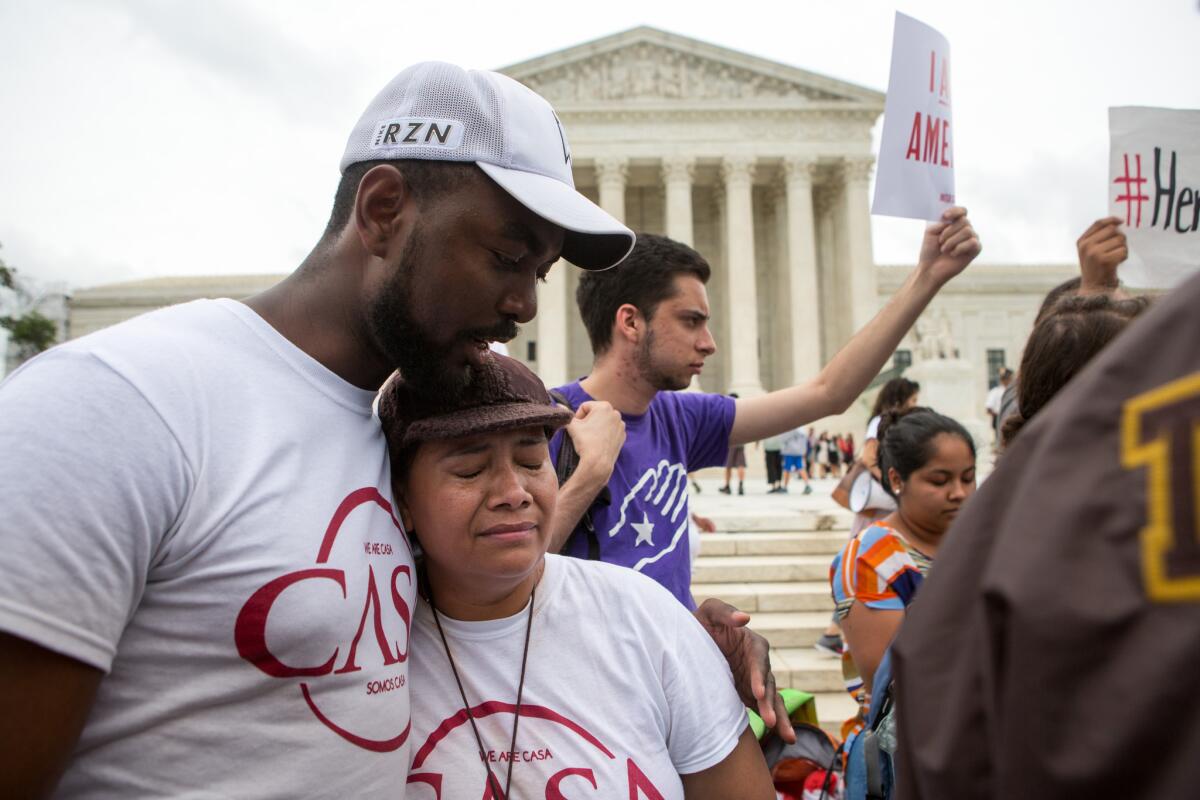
[
  {"x": 30, "y": 331},
  {"x": 8, "y": 278}
]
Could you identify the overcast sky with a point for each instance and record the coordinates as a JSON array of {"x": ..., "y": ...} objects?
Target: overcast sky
[{"x": 145, "y": 138}]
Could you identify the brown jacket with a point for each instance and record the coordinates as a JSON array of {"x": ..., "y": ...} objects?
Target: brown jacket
[{"x": 1054, "y": 651}]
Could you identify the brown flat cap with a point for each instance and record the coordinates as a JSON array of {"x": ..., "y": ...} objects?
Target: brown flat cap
[{"x": 501, "y": 395}]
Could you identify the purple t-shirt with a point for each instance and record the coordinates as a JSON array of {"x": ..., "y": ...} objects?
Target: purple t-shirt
[{"x": 646, "y": 525}]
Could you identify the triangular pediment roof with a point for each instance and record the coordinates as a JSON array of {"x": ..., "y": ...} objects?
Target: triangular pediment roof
[{"x": 646, "y": 65}]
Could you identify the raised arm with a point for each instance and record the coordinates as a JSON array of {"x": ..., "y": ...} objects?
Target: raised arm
[{"x": 948, "y": 246}]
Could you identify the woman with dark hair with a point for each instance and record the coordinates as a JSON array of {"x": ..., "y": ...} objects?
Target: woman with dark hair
[
  {"x": 525, "y": 690},
  {"x": 898, "y": 394},
  {"x": 928, "y": 462},
  {"x": 1065, "y": 339}
]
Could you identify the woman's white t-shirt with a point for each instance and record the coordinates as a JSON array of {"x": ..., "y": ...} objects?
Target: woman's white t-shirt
[{"x": 624, "y": 691}]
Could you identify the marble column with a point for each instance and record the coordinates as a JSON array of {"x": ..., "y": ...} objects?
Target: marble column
[
  {"x": 677, "y": 174},
  {"x": 738, "y": 174},
  {"x": 610, "y": 178},
  {"x": 804, "y": 302},
  {"x": 833, "y": 312},
  {"x": 781, "y": 321},
  {"x": 552, "y": 326},
  {"x": 859, "y": 260}
]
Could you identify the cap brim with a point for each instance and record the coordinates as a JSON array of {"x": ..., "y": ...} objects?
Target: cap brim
[
  {"x": 486, "y": 419},
  {"x": 594, "y": 240}
]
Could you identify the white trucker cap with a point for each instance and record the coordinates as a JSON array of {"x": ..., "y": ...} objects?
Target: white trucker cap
[{"x": 441, "y": 112}]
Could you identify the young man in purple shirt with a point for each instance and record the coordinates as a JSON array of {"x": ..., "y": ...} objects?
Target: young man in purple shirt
[{"x": 647, "y": 320}]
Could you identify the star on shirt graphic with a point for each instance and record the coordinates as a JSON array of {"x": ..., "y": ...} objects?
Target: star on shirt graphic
[{"x": 645, "y": 530}]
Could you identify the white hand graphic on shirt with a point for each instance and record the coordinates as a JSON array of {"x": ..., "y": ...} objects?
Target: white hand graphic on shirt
[{"x": 664, "y": 488}]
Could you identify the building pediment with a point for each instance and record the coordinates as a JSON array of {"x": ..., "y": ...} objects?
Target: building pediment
[{"x": 647, "y": 66}]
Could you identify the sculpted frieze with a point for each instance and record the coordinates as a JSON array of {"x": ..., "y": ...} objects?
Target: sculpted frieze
[{"x": 651, "y": 71}]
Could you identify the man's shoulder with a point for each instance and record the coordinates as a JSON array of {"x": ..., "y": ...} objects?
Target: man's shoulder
[
  {"x": 684, "y": 401},
  {"x": 573, "y": 392},
  {"x": 156, "y": 343},
  {"x": 149, "y": 335},
  {"x": 172, "y": 357}
]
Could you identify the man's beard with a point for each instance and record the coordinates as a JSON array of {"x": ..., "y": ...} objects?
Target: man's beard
[
  {"x": 423, "y": 363},
  {"x": 658, "y": 378}
]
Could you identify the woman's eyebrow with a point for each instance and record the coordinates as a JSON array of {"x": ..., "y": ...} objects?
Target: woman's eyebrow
[{"x": 465, "y": 449}]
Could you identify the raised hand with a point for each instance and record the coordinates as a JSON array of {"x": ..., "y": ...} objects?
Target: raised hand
[
  {"x": 948, "y": 246},
  {"x": 1102, "y": 248}
]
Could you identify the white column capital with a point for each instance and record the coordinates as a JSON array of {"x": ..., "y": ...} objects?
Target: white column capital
[
  {"x": 857, "y": 169},
  {"x": 824, "y": 198},
  {"x": 611, "y": 170},
  {"x": 800, "y": 168},
  {"x": 610, "y": 180},
  {"x": 679, "y": 169},
  {"x": 737, "y": 170}
]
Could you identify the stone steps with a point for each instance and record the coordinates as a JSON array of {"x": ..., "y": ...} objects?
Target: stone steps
[
  {"x": 761, "y": 568},
  {"x": 779, "y": 596},
  {"x": 760, "y": 543},
  {"x": 789, "y": 520},
  {"x": 785, "y": 629},
  {"x": 806, "y": 668},
  {"x": 774, "y": 564}
]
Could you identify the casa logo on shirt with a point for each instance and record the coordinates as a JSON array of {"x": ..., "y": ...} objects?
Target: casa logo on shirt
[
  {"x": 339, "y": 629},
  {"x": 652, "y": 517},
  {"x": 568, "y": 761}
]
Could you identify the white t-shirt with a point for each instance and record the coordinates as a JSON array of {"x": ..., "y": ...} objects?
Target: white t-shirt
[
  {"x": 992, "y": 403},
  {"x": 201, "y": 510},
  {"x": 622, "y": 687},
  {"x": 872, "y": 429},
  {"x": 795, "y": 443}
]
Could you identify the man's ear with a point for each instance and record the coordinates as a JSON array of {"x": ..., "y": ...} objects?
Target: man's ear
[
  {"x": 381, "y": 207},
  {"x": 629, "y": 323}
]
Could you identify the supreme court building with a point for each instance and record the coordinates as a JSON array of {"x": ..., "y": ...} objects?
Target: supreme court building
[{"x": 763, "y": 168}]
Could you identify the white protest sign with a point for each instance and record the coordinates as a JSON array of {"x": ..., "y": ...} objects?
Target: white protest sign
[
  {"x": 916, "y": 158},
  {"x": 1154, "y": 187}
]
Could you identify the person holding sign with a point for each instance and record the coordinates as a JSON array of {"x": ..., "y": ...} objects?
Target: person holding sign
[{"x": 648, "y": 323}]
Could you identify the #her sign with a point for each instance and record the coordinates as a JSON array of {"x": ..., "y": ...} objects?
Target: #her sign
[
  {"x": 1154, "y": 186},
  {"x": 916, "y": 159}
]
